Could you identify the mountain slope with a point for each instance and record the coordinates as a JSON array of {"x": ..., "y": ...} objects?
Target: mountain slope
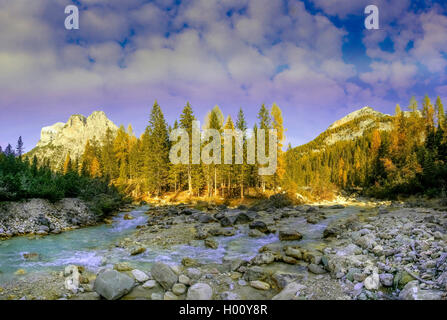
[
  {"x": 60, "y": 138},
  {"x": 349, "y": 128}
]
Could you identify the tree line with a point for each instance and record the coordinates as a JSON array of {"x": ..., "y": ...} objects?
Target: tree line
[
  {"x": 140, "y": 166},
  {"x": 23, "y": 178},
  {"x": 411, "y": 158}
]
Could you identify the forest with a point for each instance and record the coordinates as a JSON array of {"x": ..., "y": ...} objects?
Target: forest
[{"x": 410, "y": 158}]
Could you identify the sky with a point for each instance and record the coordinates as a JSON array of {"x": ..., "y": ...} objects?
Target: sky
[{"x": 314, "y": 58}]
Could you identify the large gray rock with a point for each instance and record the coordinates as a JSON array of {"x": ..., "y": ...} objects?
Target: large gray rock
[
  {"x": 112, "y": 284},
  {"x": 164, "y": 275},
  {"x": 291, "y": 291},
  {"x": 200, "y": 291},
  {"x": 412, "y": 291}
]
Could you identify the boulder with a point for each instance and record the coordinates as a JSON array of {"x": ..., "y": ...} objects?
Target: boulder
[
  {"x": 291, "y": 291},
  {"x": 294, "y": 253},
  {"x": 259, "y": 225},
  {"x": 137, "y": 250},
  {"x": 72, "y": 278},
  {"x": 386, "y": 279},
  {"x": 112, "y": 284},
  {"x": 315, "y": 269},
  {"x": 179, "y": 289},
  {"x": 205, "y": 218},
  {"x": 139, "y": 275},
  {"x": 210, "y": 243},
  {"x": 289, "y": 235},
  {"x": 412, "y": 291},
  {"x": 260, "y": 285},
  {"x": 263, "y": 258},
  {"x": 282, "y": 279},
  {"x": 200, "y": 291},
  {"x": 164, "y": 275},
  {"x": 372, "y": 282}
]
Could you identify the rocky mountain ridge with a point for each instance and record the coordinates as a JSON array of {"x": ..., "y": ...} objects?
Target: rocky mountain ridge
[{"x": 60, "y": 138}]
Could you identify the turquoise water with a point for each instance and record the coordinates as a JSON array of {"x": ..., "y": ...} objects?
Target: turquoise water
[{"x": 94, "y": 247}]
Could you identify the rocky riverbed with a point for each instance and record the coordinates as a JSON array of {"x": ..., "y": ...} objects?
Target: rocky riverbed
[
  {"x": 355, "y": 249},
  {"x": 41, "y": 217}
]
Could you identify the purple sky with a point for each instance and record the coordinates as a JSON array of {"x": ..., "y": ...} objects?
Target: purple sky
[{"x": 314, "y": 58}]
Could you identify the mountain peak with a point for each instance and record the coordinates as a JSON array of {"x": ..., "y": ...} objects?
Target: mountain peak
[
  {"x": 60, "y": 138},
  {"x": 365, "y": 111}
]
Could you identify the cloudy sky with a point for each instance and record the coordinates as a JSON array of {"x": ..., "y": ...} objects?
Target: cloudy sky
[{"x": 314, "y": 58}]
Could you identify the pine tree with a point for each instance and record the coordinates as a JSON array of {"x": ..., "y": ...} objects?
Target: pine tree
[
  {"x": 241, "y": 124},
  {"x": 186, "y": 121},
  {"x": 440, "y": 113},
  {"x": 121, "y": 150},
  {"x": 158, "y": 150},
  {"x": 264, "y": 124},
  {"x": 67, "y": 164},
  {"x": 19, "y": 148},
  {"x": 413, "y": 106},
  {"x": 9, "y": 151},
  {"x": 277, "y": 123}
]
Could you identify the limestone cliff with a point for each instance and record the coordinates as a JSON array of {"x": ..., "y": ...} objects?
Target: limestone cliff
[{"x": 60, "y": 138}]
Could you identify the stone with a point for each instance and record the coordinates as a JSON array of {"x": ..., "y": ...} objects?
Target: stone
[
  {"x": 290, "y": 292},
  {"x": 263, "y": 258},
  {"x": 254, "y": 233},
  {"x": 260, "y": 285},
  {"x": 372, "y": 282},
  {"x": 122, "y": 266},
  {"x": 20, "y": 272},
  {"x": 201, "y": 234},
  {"x": 331, "y": 231},
  {"x": 179, "y": 289},
  {"x": 205, "y": 218},
  {"x": 412, "y": 291},
  {"x": 150, "y": 284},
  {"x": 200, "y": 291},
  {"x": 164, "y": 275},
  {"x": 190, "y": 262},
  {"x": 294, "y": 253},
  {"x": 336, "y": 206},
  {"x": 255, "y": 273},
  {"x": 128, "y": 216},
  {"x": 228, "y": 295},
  {"x": 315, "y": 269},
  {"x": 259, "y": 225},
  {"x": 72, "y": 280},
  {"x": 210, "y": 243},
  {"x": 184, "y": 279},
  {"x": 31, "y": 256},
  {"x": 156, "y": 296},
  {"x": 386, "y": 279},
  {"x": 289, "y": 235},
  {"x": 169, "y": 296},
  {"x": 112, "y": 284},
  {"x": 193, "y": 273},
  {"x": 139, "y": 275},
  {"x": 282, "y": 279},
  {"x": 137, "y": 250}
]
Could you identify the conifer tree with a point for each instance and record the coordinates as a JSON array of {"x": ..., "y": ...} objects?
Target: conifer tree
[
  {"x": 158, "y": 150},
  {"x": 19, "y": 148},
  {"x": 241, "y": 124},
  {"x": 186, "y": 120},
  {"x": 67, "y": 164},
  {"x": 277, "y": 124}
]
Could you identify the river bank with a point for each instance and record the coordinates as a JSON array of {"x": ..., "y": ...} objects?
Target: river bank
[
  {"x": 42, "y": 217},
  {"x": 345, "y": 250}
]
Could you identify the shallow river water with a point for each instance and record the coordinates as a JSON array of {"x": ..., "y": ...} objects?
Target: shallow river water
[{"x": 94, "y": 247}]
